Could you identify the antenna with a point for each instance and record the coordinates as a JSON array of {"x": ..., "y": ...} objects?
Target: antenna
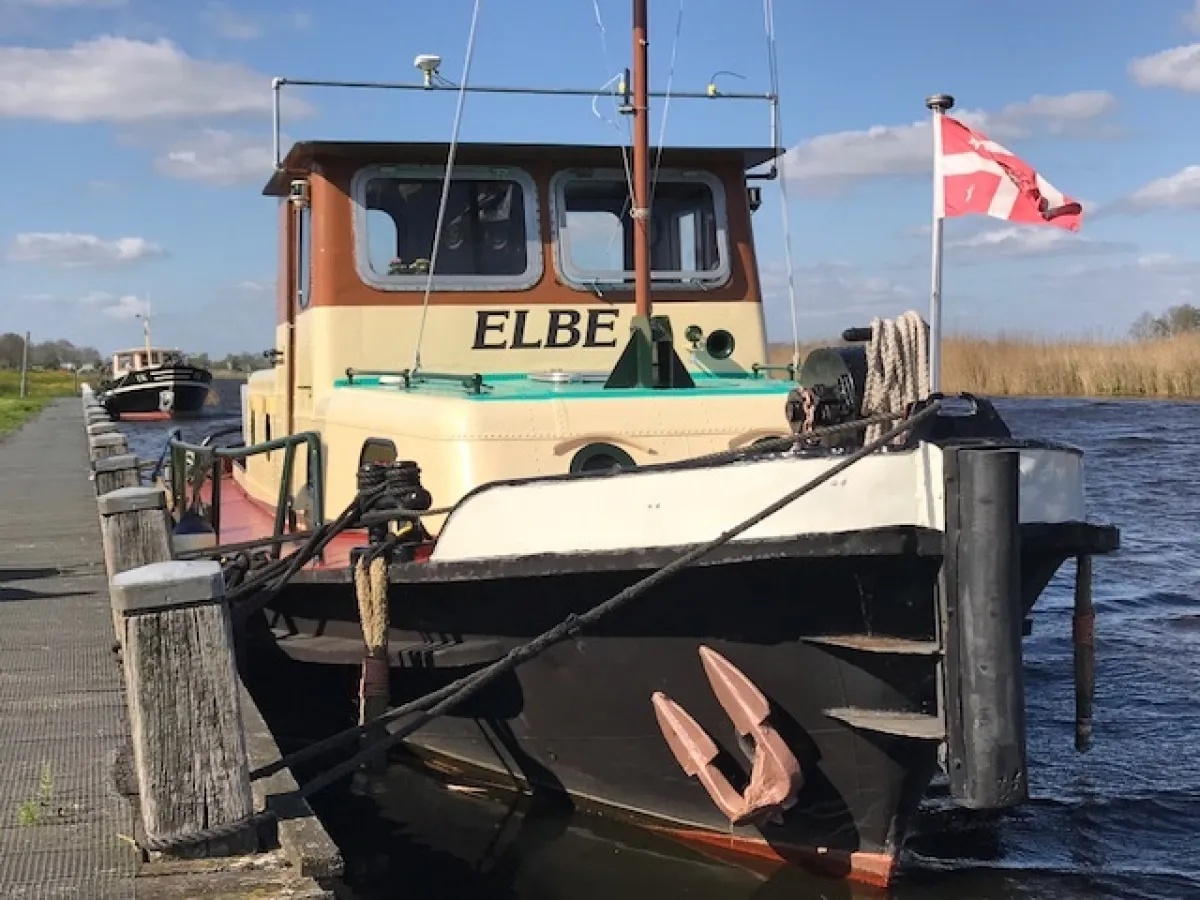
[{"x": 429, "y": 65}]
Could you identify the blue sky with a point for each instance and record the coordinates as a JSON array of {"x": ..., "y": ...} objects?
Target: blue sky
[{"x": 135, "y": 140}]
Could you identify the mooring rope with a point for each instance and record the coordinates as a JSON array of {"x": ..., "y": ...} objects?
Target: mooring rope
[
  {"x": 897, "y": 366},
  {"x": 436, "y": 703},
  {"x": 433, "y": 704}
]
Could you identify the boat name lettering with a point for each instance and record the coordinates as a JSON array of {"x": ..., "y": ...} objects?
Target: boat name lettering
[{"x": 507, "y": 329}]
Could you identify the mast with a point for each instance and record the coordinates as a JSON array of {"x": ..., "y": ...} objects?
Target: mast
[
  {"x": 640, "y": 212},
  {"x": 649, "y": 360}
]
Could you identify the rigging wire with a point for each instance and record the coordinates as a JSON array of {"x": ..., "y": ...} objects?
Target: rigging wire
[
  {"x": 781, "y": 161},
  {"x": 662, "y": 132},
  {"x": 626, "y": 162},
  {"x": 441, "y": 216}
]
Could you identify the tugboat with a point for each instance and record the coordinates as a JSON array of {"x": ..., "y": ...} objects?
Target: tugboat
[
  {"x": 554, "y": 382},
  {"x": 153, "y": 383}
]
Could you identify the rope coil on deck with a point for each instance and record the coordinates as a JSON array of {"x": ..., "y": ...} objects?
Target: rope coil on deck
[{"x": 897, "y": 366}]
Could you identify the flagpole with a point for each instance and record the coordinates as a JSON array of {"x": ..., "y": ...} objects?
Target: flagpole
[{"x": 938, "y": 103}]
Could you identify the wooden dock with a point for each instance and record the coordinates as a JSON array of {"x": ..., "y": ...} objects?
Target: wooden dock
[{"x": 71, "y": 825}]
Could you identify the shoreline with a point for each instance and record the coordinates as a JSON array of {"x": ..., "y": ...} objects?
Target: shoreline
[{"x": 1023, "y": 367}]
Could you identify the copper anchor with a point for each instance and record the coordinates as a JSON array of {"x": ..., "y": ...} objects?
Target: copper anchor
[{"x": 775, "y": 775}]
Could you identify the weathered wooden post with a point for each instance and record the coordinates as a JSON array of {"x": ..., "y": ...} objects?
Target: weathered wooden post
[
  {"x": 113, "y": 472},
  {"x": 134, "y": 530},
  {"x": 102, "y": 445},
  {"x": 102, "y": 427},
  {"x": 182, "y": 684}
]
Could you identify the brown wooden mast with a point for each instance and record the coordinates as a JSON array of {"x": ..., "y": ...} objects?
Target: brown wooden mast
[
  {"x": 649, "y": 359},
  {"x": 640, "y": 211}
]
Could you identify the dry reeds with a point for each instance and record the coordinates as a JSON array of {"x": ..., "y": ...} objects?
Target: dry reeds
[{"x": 1037, "y": 367}]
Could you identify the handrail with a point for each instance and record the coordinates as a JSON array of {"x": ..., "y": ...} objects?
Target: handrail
[
  {"x": 207, "y": 459},
  {"x": 473, "y": 382}
]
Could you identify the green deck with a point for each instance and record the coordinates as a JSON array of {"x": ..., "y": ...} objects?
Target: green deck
[{"x": 520, "y": 386}]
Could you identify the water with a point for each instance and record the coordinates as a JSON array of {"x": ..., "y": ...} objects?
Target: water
[{"x": 1118, "y": 822}]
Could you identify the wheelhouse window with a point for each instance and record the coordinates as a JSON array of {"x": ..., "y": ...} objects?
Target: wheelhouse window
[
  {"x": 489, "y": 236},
  {"x": 689, "y": 244}
]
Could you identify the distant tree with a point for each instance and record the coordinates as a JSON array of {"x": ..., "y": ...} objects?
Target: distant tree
[
  {"x": 200, "y": 359},
  {"x": 11, "y": 347},
  {"x": 1182, "y": 319}
]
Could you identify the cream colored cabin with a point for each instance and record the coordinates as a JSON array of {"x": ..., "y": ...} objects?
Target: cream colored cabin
[
  {"x": 529, "y": 309},
  {"x": 124, "y": 361}
]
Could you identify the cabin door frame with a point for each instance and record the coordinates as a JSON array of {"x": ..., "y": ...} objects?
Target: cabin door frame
[{"x": 299, "y": 279}]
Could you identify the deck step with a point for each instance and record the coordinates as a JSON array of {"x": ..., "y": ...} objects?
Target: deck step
[
  {"x": 902, "y": 724},
  {"x": 876, "y": 643}
]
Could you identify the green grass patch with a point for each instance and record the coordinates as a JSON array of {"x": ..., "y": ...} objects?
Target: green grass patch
[
  {"x": 40, "y": 389},
  {"x": 30, "y": 810}
]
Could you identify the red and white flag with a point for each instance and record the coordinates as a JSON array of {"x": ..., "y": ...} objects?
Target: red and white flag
[{"x": 977, "y": 175}]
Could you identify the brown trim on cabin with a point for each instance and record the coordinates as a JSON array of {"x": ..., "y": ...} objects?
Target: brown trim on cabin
[
  {"x": 335, "y": 281},
  {"x": 305, "y": 156}
]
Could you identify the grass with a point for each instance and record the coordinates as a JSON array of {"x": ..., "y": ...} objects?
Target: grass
[
  {"x": 29, "y": 812},
  {"x": 1021, "y": 366},
  {"x": 42, "y": 387}
]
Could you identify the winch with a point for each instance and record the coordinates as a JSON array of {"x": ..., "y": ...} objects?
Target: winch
[{"x": 829, "y": 391}]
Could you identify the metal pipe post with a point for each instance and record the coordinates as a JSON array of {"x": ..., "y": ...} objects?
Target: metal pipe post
[{"x": 938, "y": 103}]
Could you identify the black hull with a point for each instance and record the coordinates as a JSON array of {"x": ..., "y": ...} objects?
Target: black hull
[
  {"x": 578, "y": 720},
  {"x": 141, "y": 393}
]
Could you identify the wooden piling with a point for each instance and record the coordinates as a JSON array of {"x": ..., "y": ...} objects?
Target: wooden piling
[
  {"x": 182, "y": 686},
  {"x": 135, "y": 531},
  {"x": 102, "y": 445},
  {"x": 114, "y": 472},
  {"x": 102, "y": 427}
]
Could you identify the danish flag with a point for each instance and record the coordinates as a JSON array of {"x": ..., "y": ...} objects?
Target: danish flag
[{"x": 980, "y": 176}]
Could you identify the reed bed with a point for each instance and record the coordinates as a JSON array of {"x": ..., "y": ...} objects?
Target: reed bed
[{"x": 1019, "y": 366}]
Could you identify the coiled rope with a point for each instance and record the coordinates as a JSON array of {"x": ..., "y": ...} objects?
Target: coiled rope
[{"x": 897, "y": 367}]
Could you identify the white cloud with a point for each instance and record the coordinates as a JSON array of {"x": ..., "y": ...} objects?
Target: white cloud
[
  {"x": 1018, "y": 241},
  {"x": 256, "y": 287},
  {"x": 104, "y": 185},
  {"x": 127, "y": 306},
  {"x": 1191, "y": 19},
  {"x": 1151, "y": 282},
  {"x": 1177, "y": 68},
  {"x": 832, "y": 296},
  {"x": 228, "y": 23},
  {"x": 1178, "y": 191},
  {"x": 832, "y": 161},
  {"x": 67, "y": 250},
  {"x": 301, "y": 20},
  {"x": 217, "y": 157},
  {"x": 95, "y": 298},
  {"x": 115, "y": 79}
]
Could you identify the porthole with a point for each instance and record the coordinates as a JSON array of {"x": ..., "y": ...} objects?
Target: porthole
[{"x": 601, "y": 457}]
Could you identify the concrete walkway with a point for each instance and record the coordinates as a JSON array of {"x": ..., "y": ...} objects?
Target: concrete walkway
[{"x": 62, "y": 711}]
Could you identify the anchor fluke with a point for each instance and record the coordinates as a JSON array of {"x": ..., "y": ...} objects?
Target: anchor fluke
[{"x": 775, "y": 774}]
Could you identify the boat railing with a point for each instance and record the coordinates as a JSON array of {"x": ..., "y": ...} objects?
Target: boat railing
[
  {"x": 472, "y": 383},
  {"x": 191, "y": 465}
]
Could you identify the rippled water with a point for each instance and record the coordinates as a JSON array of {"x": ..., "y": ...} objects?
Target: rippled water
[{"x": 1122, "y": 821}]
